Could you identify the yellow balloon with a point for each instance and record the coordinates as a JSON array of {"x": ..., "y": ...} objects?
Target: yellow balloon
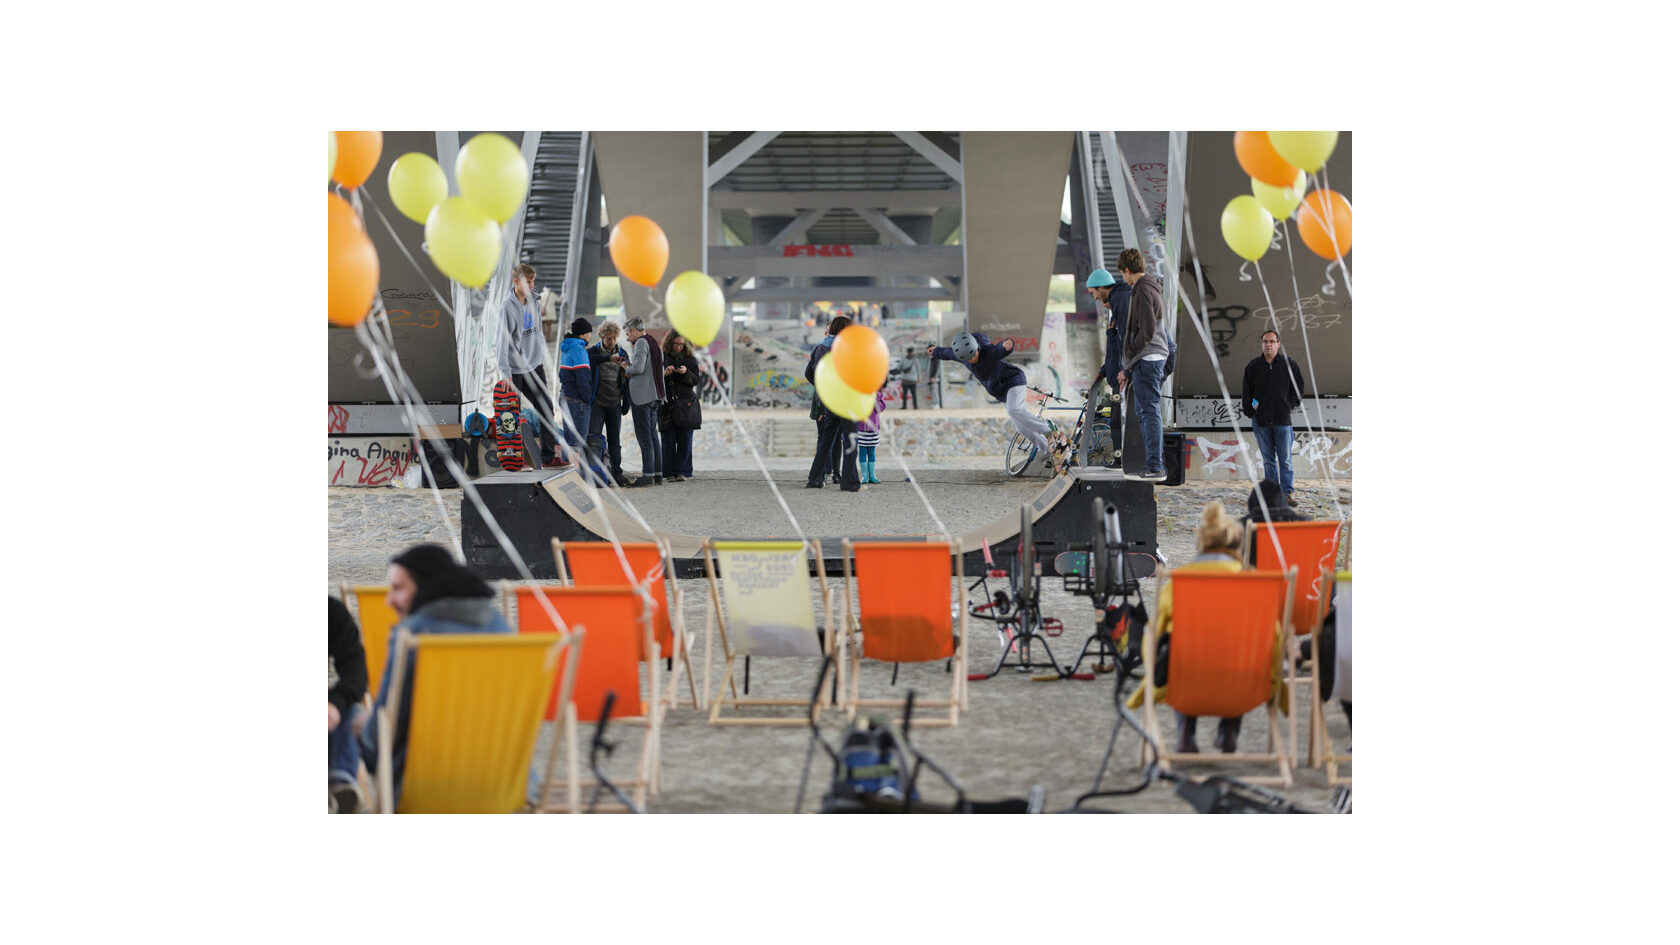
[
  {"x": 332, "y": 153},
  {"x": 1247, "y": 227},
  {"x": 464, "y": 243},
  {"x": 1280, "y": 202},
  {"x": 492, "y": 174},
  {"x": 416, "y": 184},
  {"x": 837, "y": 397},
  {"x": 695, "y": 305},
  {"x": 1307, "y": 150}
]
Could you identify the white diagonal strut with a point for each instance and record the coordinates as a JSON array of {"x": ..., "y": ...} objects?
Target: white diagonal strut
[
  {"x": 738, "y": 154},
  {"x": 933, "y": 152},
  {"x": 892, "y": 234}
]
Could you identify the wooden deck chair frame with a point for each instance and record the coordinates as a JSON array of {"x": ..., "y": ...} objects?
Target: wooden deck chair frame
[
  {"x": 1152, "y": 717},
  {"x": 523, "y": 702},
  {"x": 682, "y": 640},
  {"x": 852, "y": 623},
  {"x": 716, "y": 616},
  {"x": 563, "y": 738},
  {"x": 1322, "y": 574},
  {"x": 376, "y": 642}
]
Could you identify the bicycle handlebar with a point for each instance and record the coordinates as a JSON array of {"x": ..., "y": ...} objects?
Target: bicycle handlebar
[{"x": 1060, "y": 400}]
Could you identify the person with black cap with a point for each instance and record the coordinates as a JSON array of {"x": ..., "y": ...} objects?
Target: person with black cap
[
  {"x": 576, "y": 388},
  {"x": 431, "y": 593}
]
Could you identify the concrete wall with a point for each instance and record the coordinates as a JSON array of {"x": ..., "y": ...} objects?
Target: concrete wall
[{"x": 1012, "y": 206}]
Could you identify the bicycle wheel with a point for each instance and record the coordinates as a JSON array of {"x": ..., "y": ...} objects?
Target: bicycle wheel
[{"x": 1019, "y": 455}]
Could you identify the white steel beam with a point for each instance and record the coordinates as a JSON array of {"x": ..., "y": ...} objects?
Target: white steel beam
[
  {"x": 794, "y": 232},
  {"x": 737, "y": 155},
  {"x": 933, "y": 152},
  {"x": 829, "y": 293}
]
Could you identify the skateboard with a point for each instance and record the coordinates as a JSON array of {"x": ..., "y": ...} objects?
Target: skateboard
[
  {"x": 509, "y": 444},
  {"x": 529, "y": 437}
]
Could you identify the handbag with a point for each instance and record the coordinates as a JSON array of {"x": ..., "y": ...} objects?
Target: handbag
[
  {"x": 686, "y": 415},
  {"x": 667, "y": 411}
]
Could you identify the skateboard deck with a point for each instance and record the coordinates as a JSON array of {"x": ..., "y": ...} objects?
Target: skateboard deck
[
  {"x": 510, "y": 448},
  {"x": 530, "y": 438}
]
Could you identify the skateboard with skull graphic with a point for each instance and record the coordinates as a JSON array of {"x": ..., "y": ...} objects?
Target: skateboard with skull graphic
[{"x": 510, "y": 446}]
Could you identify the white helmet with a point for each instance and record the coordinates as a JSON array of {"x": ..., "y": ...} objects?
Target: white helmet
[{"x": 965, "y": 346}]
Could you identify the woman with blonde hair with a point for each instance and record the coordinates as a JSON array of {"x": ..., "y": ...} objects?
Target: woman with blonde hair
[{"x": 1218, "y": 544}]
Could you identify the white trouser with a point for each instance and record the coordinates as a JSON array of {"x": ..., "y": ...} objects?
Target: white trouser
[{"x": 1031, "y": 426}]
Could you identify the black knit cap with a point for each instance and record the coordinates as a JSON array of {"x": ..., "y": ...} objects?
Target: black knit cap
[
  {"x": 437, "y": 575},
  {"x": 581, "y": 326}
]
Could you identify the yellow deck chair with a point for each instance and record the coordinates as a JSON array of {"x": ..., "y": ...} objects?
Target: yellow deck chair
[
  {"x": 761, "y": 604},
  {"x": 597, "y": 563},
  {"x": 1310, "y": 548},
  {"x": 478, "y": 702},
  {"x": 906, "y": 597},
  {"x": 1227, "y": 632},
  {"x": 375, "y": 618},
  {"x": 617, "y": 630}
]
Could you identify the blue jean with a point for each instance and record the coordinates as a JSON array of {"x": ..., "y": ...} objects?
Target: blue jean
[
  {"x": 579, "y": 412},
  {"x": 1275, "y": 443},
  {"x": 343, "y": 754},
  {"x": 679, "y": 453},
  {"x": 1146, "y": 394},
  {"x": 646, "y": 417}
]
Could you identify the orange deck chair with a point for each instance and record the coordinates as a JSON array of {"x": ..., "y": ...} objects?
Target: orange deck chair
[
  {"x": 375, "y": 618},
  {"x": 1227, "y": 631},
  {"x": 1342, "y": 673},
  {"x": 906, "y": 597},
  {"x": 616, "y": 632},
  {"x": 597, "y": 563},
  {"x": 1310, "y": 548},
  {"x": 761, "y": 604}
]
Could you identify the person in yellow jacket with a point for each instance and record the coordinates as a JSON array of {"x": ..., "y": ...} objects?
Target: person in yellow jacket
[{"x": 1218, "y": 545}]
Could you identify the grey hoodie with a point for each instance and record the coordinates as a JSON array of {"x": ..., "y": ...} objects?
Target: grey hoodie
[{"x": 519, "y": 342}]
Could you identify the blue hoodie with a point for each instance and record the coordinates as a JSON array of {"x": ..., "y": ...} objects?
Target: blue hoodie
[
  {"x": 575, "y": 379},
  {"x": 993, "y": 372}
]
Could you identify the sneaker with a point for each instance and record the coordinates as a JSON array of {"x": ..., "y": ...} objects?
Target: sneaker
[
  {"x": 555, "y": 462},
  {"x": 1157, "y": 475},
  {"x": 675, "y": 479},
  {"x": 658, "y": 480},
  {"x": 813, "y": 485},
  {"x": 1292, "y": 503},
  {"x": 346, "y": 797}
]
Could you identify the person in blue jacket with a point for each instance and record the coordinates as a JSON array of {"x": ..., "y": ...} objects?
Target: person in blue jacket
[
  {"x": 577, "y": 386},
  {"x": 1004, "y": 381}
]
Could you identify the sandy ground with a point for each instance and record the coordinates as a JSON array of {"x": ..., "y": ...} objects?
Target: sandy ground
[{"x": 1016, "y": 734}]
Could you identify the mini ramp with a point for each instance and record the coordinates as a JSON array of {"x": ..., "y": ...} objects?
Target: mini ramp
[{"x": 534, "y": 506}]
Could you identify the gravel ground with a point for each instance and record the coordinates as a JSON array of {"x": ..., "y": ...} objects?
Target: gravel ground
[{"x": 1017, "y": 733}]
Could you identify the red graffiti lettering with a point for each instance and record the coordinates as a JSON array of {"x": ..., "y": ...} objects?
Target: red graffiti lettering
[
  {"x": 798, "y": 249},
  {"x": 338, "y": 419},
  {"x": 339, "y": 474}
]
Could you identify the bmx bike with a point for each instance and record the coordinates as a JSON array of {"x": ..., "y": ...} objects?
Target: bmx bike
[{"x": 1019, "y": 455}]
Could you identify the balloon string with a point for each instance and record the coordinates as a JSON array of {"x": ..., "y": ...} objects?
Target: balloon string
[
  {"x": 1329, "y": 287},
  {"x": 657, "y": 308},
  {"x": 1277, "y": 235},
  {"x": 1347, "y": 278},
  {"x": 1312, "y": 379},
  {"x": 1242, "y": 272},
  {"x": 411, "y": 260},
  {"x": 1203, "y": 332},
  {"x": 710, "y": 367}
]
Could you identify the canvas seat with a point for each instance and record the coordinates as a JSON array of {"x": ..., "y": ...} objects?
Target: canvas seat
[
  {"x": 1310, "y": 548},
  {"x": 598, "y": 563},
  {"x": 906, "y": 603},
  {"x": 761, "y": 605}
]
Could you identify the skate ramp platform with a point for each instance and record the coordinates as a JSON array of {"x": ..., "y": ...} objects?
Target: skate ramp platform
[{"x": 533, "y": 506}]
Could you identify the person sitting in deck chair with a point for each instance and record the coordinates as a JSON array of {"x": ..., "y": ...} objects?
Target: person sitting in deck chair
[
  {"x": 1218, "y": 542},
  {"x": 431, "y": 593},
  {"x": 1004, "y": 381}
]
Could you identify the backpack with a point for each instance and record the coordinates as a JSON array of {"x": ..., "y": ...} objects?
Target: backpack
[{"x": 871, "y": 765}]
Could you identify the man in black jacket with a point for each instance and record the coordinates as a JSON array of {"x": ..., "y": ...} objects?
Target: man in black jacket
[
  {"x": 1271, "y": 389},
  {"x": 347, "y": 682},
  {"x": 834, "y": 433}
]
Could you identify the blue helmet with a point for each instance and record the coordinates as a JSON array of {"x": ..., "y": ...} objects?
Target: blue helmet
[{"x": 1098, "y": 279}]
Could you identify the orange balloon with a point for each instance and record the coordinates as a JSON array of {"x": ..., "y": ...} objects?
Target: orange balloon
[
  {"x": 860, "y": 358},
  {"x": 358, "y": 155},
  {"x": 352, "y": 265},
  {"x": 639, "y": 250},
  {"x": 1319, "y": 212},
  {"x": 1255, "y": 153}
]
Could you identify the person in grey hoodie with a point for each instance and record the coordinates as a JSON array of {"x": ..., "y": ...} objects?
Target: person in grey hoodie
[
  {"x": 1143, "y": 359},
  {"x": 647, "y": 389},
  {"x": 521, "y": 357}
]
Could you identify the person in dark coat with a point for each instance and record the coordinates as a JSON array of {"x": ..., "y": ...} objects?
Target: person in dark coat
[
  {"x": 682, "y": 380},
  {"x": 347, "y": 683},
  {"x": 611, "y": 396},
  {"x": 834, "y": 432},
  {"x": 1271, "y": 388}
]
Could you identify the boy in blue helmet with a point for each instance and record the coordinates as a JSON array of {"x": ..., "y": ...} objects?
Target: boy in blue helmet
[{"x": 1007, "y": 383}]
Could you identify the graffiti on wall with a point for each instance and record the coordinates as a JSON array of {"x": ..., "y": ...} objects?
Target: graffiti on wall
[
  {"x": 368, "y": 462},
  {"x": 1313, "y": 313},
  {"x": 1206, "y": 413},
  {"x": 338, "y": 419},
  {"x": 1225, "y": 457}
]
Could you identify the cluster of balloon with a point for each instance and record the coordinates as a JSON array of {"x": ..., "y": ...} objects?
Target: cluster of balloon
[
  {"x": 853, "y": 371},
  {"x": 1278, "y": 163},
  {"x": 463, "y": 233},
  {"x": 693, "y": 300},
  {"x": 352, "y": 262}
]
